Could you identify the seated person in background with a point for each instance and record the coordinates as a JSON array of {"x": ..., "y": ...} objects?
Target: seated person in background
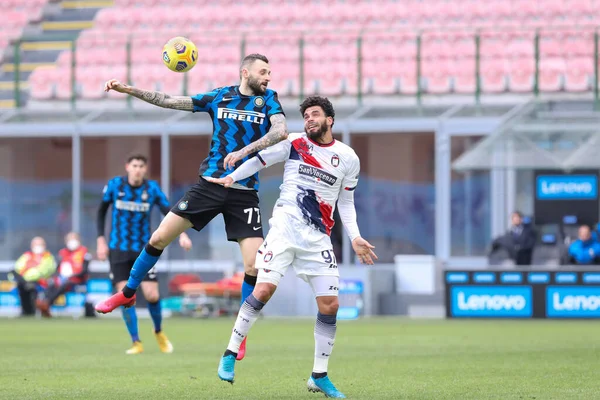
[
  {"x": 584, "y": 250},
  {"x": 518, "y": 241},
  {"x": 72, "y": 270},
  {"x": 30, "y": 270}
]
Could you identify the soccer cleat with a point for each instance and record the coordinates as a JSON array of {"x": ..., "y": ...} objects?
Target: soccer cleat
[
  {"x": 163, "y": 342},
  {"x": 242, "y": 352},
  {"x": 115, "y": 301},
  {"x": 137, "y": 348},
  {"x": 324, "y": 385},
  {"x": 44, "y": 308},
  {"x": 226, "y": 368}
]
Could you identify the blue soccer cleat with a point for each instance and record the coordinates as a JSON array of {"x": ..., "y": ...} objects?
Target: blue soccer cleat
[
  {"x": 226, "y": 368},
  {"x": 324, "y": 385}
]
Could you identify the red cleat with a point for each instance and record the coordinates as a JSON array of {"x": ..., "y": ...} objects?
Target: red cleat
[
  {"x": 242, "y": 352},
  {"x": 115, "y": 301}
]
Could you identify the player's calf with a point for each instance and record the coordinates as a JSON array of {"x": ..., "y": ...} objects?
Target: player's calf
[{"x": 247, "y": 315}]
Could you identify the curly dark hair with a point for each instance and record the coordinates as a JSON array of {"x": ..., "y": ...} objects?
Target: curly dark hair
[{"x": 322, "y": 102}]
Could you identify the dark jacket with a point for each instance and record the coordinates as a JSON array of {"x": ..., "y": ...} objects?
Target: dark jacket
[{"x": 518, "y": 242}]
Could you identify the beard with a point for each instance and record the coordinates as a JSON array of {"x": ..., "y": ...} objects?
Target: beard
[
  {"x": 318, "y": 134},
  {"x": 255, "y": 85}
]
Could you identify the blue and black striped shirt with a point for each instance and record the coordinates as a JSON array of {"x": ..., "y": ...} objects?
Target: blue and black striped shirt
[
  {"x": 131, "y": 208},
  {"x": 238, "y": 120}
]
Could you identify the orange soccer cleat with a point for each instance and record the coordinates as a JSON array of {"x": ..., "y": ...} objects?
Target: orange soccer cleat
[
  {"x": 115, "y": 301},
  {"x": 242, "y": 352}
]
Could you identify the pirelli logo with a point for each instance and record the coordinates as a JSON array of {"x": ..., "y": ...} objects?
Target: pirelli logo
[
  {"x": 132, "y": 206},
  {"x": 320, "y": 175},
  {"x": 241, "y": 115}
]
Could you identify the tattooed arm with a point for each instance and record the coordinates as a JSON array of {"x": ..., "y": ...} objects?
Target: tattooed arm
[
  {"x": 276, "y": 134},
  {"x": 157, "y": 98}
]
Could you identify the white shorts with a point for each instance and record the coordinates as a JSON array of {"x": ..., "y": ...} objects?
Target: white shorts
[{"x": 292, "y": 242}]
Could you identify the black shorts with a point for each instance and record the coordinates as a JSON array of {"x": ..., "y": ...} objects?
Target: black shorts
[
  {"x": 121, "y": 263},
  {"x": 205, "y": 200}
]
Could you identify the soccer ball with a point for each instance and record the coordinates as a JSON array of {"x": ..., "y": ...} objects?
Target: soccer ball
[{"x": 180, "y": 54}]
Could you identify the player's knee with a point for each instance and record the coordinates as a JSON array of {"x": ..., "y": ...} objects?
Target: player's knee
[
  {"x": 264, "y": 291},
  {"x": 329, "y": 305},
  {"x": 249, "y": 268},
  {"x": 152, "y": 297},
  {"x": 158, "y": 240}
]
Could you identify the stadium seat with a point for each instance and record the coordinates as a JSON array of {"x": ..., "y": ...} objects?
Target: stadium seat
[
  {"x": 493, "y": 75},
  {"x": 388, "y": 29},
  {"x": 42, "y": 83},
  {"x": 463, "y": 71},
  {"x": 578, "y": 75},
  {"x": 435, "y": 74},
  {"x": 551, "y": 74},
  {"x": 521, "y": 77}
]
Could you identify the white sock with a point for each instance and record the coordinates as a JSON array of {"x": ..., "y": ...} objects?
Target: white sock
[
  {"x": 247, "y": 315},
  {"x": 325, "y": 328}
]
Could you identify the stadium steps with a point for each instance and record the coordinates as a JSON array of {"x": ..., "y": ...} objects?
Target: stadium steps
[{"x": 66, "y": 25}]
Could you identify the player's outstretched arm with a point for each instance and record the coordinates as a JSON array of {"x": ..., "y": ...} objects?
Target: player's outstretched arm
[
  {"x": 276, "y": 134},
  {"x": 149, "y": 96}
]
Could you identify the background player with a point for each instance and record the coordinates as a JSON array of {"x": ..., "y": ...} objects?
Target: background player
[
  {"x": 318, "y": 172},
  {"x": 246, "y": 118},
  {"x": 132, "y": 198}
]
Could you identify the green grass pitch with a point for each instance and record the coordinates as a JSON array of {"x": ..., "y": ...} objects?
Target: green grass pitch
[{"x": 372, "y": 359}]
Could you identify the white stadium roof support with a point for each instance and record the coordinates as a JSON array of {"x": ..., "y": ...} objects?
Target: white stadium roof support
[{"x": 541, "y": 135}]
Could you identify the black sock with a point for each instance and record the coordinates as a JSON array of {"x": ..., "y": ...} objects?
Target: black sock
[
  {"x": 229, "y": 353},
  {"x": 128, "y": 292},
  {"x": 153, "y": 251},
  {"x": 250, "y": 280},
  {"x": 317, "y": 375}
]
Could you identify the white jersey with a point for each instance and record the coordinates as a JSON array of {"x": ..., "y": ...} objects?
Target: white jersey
[{"x": 313, "y": 178}]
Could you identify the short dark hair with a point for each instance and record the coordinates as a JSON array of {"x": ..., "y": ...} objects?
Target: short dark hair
[
  {"x": 249, "y": 60},
  {"x": 139, "y": 157},
  {"x": 322, "y": 102}
]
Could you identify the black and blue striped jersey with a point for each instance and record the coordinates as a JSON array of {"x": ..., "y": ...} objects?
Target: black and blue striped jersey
[
  {"x": 131, "y": 208},
  {"x": 238, "y": 120}
]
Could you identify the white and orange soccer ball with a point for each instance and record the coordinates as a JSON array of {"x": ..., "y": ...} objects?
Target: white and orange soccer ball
[{"x": 180, "y": 54}]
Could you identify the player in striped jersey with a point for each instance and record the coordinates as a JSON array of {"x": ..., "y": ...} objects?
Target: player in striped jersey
[
  {"x": 246, "y": 118},
  {"x": 132, "y": 198}
]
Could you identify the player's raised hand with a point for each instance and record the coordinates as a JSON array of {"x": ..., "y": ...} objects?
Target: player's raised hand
[
  {"x": 232, "y": 158},
  {"x": 115, "y": 85},
  {"x": 101, "y": 249},
  {"x": 227, "y": 181},
  {"x": 185, "y": 242},
  {"x": 364, "y": 251}
]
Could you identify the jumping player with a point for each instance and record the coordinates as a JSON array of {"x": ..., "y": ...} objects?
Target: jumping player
[{"x": 246, "y": 118}]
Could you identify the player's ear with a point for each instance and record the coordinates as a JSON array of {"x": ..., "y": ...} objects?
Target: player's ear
[{"x": 329, "y": 121}]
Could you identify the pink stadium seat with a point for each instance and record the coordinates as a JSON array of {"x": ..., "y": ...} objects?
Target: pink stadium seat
[
  {"x": 578, "y": 75},
  {"x": 91, "y": 83},
  {"x": 42, "y": 83},
  {"x": 463, "y": 72},
  {"x": 436, "y": 75},
  {"x": 493, "y": 75},
  {"x": 330, "y": 29},
  {"x": 407, "y": 72},
  {"x": 521, "y": 75},
  {"x": 331, "y": 79},
  {"x": 551, "y": 74}
]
